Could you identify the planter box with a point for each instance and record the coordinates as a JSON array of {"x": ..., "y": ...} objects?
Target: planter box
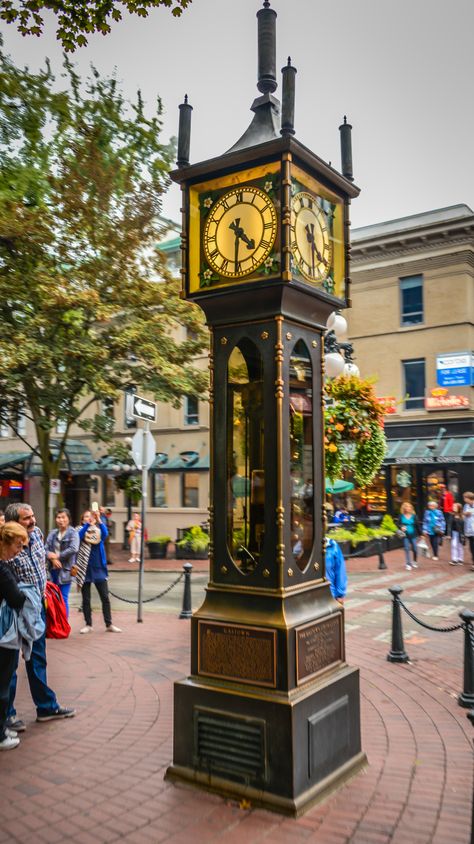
[
  {"x": 157, "y": 550},
  {"x": 187, "y": 554},
  {"x": 345, "y": 546}
]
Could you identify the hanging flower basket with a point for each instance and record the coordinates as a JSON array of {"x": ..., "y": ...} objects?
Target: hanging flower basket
[{"x": 354, "y": 437}]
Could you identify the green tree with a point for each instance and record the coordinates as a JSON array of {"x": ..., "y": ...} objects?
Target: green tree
[
  {"x": 87, "y": 305},
  {"x": 76, "y": 20}
]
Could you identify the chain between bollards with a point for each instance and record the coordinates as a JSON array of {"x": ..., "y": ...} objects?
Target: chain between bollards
[
  {"x": 186, "y": 611},
  {"x": 466, "y": 698},
  {"x": 397, "y": 652}
]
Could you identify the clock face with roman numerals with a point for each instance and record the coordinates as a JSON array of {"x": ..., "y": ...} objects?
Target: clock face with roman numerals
[
  {"x": 311, "y": 245},
  {"x": 240, "y": 231}
]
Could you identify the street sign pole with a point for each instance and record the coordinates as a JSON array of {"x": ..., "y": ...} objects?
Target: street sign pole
[{"x": 146, "y": 429}]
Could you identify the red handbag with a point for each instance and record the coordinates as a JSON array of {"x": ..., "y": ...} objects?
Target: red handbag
[{"x": 57, "y": 625}]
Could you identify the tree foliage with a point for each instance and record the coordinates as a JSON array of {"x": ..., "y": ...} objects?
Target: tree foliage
[
  {"x": 87, "y": 305},
  {"x": 76, "y": 20}
]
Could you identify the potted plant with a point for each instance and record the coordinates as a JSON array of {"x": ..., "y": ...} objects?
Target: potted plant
[
  {"x": 194, "y": 545},
  {"x": 158, "y": 546}
]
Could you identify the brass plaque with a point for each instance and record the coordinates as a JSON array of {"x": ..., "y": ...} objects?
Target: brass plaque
[
  {"x": 237, "y": 652},
  {"x": 319, "y": 646}
]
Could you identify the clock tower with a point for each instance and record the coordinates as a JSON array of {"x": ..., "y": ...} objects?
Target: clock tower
[{"x": 271, "y": 709}]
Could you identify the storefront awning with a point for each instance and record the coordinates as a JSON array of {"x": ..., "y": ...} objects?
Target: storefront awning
[
  {"x": 78, "y": 459},
  {"x": 187, "y": 461},
  {"x": 13, "y": 458},
  {"x": 449, "y": 450}
]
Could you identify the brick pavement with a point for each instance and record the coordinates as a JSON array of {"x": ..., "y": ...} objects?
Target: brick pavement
[{"x": 98, "y": 778}]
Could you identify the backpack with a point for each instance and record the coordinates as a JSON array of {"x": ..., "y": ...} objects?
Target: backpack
[{"x": 57, "y": 625}]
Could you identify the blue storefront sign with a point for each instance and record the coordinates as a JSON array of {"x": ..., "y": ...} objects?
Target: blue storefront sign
[{"x": 455, "y": 370}]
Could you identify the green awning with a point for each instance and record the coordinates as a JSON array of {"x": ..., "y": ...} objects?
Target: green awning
[
  {"x": 445, "y": 450},
  {"x": 13, "y": 458},
  {"x": 187, "y": 461},
  {"x": 78, "y": 459},
  {"x": 338, "y": 487}
]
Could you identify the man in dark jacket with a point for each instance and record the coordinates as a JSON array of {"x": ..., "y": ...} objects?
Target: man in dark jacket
[{"x": 30, "y": 567}]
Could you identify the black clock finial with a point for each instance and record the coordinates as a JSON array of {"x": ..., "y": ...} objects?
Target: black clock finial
[
  {"x": 288, "y": 99},
  {"x": 184, "y": 133},
  {"x": 265, "y": 124},
  {"x": 346, "y": 149}
]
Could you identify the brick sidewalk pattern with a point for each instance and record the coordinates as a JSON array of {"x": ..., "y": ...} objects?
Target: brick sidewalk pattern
[{"x": 98, "y": 778}]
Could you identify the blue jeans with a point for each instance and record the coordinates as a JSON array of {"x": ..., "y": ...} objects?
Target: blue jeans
[
  {"x": 409, "y": 541},
  {"x": 43, "y": 697},
  {"x": 64, "y": 588}
]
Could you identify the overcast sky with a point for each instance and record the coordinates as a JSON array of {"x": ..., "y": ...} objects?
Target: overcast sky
[{"x": 402, "y": 71}]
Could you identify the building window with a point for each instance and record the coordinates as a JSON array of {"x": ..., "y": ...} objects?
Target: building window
[
  {"x": 191, "y": 410},
  {"x": 61, "y": 426},
  {"x": 414, "y": 381},
  {"x": 190, "y": 489},
  {"x": 4, "y": 426},
  {"x": 411, "y": 297},
  {"x": 159, "y": 491},
  {"x": 108, "y": 491}
]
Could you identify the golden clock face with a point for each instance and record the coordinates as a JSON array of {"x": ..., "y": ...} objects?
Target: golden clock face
[
  {"x": 310, "y": 237},
  {"x": 240, "y": 231}
]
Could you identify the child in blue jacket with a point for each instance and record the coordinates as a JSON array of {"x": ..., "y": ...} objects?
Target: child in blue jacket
[{"x": 336, "y": 570}]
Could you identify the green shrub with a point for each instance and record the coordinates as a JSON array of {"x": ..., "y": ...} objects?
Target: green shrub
[
  {"x": 195, "y": 539},
  {"x": 160, "y": 540},
  {"x": 340, "y": 534},
  {"x": 388, "y": 526}
]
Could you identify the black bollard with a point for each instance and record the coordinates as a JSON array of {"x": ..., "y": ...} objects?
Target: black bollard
[
  {"x": 466, "y": 698},
  {"x": 470, "y": 715},
  {"x": 397, "y": 653},
  {"x": 186, "y": 611},
  {"x": 382, "y": 563}
]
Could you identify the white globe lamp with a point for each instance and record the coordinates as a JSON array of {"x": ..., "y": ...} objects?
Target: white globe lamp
[
  {"x": 338, "y": 324},
  {"x": 334, "y": 364},
  {"x": 351, "y": 369}
]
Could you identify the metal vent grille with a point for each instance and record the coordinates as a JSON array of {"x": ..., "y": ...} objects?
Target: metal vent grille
[{"x": 228, "y": 744}]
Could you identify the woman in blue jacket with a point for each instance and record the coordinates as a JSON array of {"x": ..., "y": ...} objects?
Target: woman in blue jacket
[
  {"x": 434, "y": 526},
  {"x": 336, "y": 570},
  {"x": 92, "y": 568}
]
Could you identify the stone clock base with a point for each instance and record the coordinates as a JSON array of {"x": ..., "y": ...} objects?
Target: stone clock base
[{"x": 281, "y": 751}]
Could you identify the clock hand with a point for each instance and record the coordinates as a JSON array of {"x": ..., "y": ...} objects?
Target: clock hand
[
  {"x": 240, "y": 235},
  {"x": 311, "y": 240}
]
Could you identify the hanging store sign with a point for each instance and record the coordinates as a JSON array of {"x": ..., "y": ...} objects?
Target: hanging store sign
[
  {"x": 446, "y": 402},
  {"x": 455, "y": 370}
]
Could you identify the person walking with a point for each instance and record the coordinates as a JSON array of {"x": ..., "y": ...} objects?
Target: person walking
[
  {"x": 12, "y": 539},
  {"x": 409, "y": 526},
  {"x": 134, "y": 528},
  {"x": 434, "y": 526},
  {"x": 92, "y": 568},
  {"x": 468, "y": 516},
  {"x": 62, "y": 545},
  {"x": 457, "y": 537},
  {"x": 29, "y": 566},
  {"x": 446, "y": 505}
]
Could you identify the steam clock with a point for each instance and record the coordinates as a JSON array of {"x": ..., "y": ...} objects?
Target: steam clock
[{"x": 271, "y": 709}]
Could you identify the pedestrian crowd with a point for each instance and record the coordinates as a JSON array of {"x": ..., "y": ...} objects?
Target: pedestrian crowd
[
  {"x": 27, "y": 562},
  {"x": 443, "y": 519}
]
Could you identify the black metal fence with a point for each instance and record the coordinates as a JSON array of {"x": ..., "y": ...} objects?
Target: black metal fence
[
  {"x": 398, "y": 653},
  {"x": 186, "y": 610}
]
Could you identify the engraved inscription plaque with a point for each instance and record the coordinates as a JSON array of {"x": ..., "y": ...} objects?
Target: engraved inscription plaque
[
  {"x": 319, "y": 646},
  {"x": 237, "y": 652}
]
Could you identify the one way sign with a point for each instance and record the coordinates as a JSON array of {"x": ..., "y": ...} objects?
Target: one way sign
[{"x": 143, "y": 409}]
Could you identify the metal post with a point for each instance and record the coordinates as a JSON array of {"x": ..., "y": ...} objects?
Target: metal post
[
  {"x": 397, "y": 653},
  {"x": 146, "y": 428},
  {"x": 470, "y": 715},
  {"x": 186, "y": 611},
  {"x": 382, "y": 563},
  {"x": 466, "y": 698}
]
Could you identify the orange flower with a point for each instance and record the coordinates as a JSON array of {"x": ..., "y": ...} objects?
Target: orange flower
[
  {"x": 339, "y": 427},
  {"x": 333, "y": 447}
]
